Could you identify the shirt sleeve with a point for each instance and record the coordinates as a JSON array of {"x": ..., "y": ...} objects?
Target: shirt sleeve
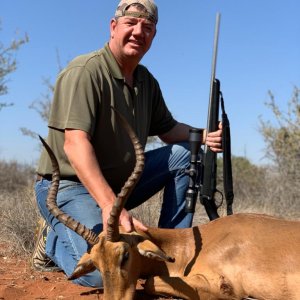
[
  {"x": 76, "y": 98},
  {"x": 161, "y": 120}
]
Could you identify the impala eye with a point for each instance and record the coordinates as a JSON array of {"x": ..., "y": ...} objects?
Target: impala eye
[{"x": 125, "y": 258}]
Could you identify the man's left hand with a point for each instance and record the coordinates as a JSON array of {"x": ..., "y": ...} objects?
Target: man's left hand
[{"x": 214, "y": 140}]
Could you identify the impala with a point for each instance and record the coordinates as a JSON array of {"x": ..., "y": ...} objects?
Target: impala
[{"x": 241, "y": 256}]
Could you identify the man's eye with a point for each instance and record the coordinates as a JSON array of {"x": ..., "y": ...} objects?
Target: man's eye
[
  {"x": 130, "y": 23},
  {"x": 148, "y": 28}
]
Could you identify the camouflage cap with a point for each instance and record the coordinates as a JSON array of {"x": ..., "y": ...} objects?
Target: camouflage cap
[{"x": 149, "y": 5}]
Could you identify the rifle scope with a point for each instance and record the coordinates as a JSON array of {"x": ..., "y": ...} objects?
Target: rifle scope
[{"x": 195, "y": 139}]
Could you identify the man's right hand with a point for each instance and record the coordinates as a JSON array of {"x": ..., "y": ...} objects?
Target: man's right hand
[{"x": 126, "y": 220}]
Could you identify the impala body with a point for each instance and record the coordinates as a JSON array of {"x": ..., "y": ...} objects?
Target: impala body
[
  {"x": 234, "y": 257},
  {"x": 230, "y": 258}
]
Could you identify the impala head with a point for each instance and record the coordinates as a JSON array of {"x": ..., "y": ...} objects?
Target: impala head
[
  {"x": 116, "y": 254},
  {"x": 120, "y": 263}
]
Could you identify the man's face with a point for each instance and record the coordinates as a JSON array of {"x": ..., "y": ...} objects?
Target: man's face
[{"x": 132, "y": 37}]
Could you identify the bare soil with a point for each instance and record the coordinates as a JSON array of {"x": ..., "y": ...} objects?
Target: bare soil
[{"x": 19, "y": 282}]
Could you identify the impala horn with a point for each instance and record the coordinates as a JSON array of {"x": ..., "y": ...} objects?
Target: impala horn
[
  {"x": 113, "y": 234},
  {"x": 68, "y": 221},
  {"x": 113, "y": 221}
]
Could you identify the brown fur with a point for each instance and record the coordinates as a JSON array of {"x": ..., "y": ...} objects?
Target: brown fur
[{"x": 229, "y": 258}]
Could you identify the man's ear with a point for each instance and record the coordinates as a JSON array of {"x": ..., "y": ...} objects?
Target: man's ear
[
  {"x": 113, "y": 24},
  {"x": 149, "y": 249},
  {"x": 84, "y": 266}
]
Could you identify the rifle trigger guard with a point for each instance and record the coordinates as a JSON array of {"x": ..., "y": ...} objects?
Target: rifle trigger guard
[{"x": 219, "y": 202}]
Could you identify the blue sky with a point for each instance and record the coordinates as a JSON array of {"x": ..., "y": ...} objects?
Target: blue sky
[{"x": 259, "y": 49}]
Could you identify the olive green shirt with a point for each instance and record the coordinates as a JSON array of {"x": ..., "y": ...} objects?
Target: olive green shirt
[{"x": 83, "y": 96}]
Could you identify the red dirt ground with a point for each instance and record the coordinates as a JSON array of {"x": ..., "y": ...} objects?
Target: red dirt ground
[{"x": 19, "y": 282}]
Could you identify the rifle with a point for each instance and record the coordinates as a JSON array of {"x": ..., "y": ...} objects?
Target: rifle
[{"x": 203, "y": 168}]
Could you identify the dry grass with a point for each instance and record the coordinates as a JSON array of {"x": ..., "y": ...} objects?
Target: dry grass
[
  {"x": 18, "y": 219},
  {"x": 149, "y": 211},
  {"x": 267, "y": 194}
]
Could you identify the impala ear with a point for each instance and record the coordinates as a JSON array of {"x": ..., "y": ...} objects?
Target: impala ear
[
  {"x": 84, "y": 266},
  {"x": 149, "y": 249}
]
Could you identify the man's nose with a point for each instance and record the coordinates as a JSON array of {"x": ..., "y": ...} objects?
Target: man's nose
[{"x": 138, "y": 29}]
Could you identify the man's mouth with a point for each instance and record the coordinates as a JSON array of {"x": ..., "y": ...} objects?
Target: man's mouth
[{"x": 136, "y": 43}]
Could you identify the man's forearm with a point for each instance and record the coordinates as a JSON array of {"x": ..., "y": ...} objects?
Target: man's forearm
[{"x": 179, "y": 133}]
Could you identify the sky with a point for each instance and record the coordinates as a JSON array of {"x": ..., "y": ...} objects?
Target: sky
[{"x": 259, "y": 47}]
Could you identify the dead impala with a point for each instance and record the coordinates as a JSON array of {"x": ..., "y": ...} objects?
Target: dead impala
[{"x": 234, "y": 257}]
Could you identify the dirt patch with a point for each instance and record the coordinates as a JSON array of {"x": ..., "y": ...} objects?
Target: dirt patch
[{"x": 19, "y": 281}]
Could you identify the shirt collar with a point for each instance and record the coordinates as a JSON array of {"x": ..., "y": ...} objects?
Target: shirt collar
[{"x": 114, "y": 68}]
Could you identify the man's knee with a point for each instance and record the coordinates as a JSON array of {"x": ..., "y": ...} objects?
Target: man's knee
[{"x": 182, "y": 152}]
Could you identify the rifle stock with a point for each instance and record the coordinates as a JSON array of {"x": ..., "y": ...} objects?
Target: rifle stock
[{"x": 208, "y": 187}]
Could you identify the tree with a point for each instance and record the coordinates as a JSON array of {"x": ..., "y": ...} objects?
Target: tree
[
  {"x": 283, "y": 141},
  {"x": 42, "y": 107},
  {"x": 8, "y": 63},
  {"x": 283, "y": 149},
  {"x": 249, "y": 182}
]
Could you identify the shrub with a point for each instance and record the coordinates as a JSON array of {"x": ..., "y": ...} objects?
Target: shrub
[{"x": 18, "y": 219}]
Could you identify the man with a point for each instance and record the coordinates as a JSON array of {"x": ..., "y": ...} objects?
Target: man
[{"x": 94, "y": 152}]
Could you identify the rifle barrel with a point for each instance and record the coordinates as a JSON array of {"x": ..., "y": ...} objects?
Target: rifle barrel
[{"x": 214, "y": 63}]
